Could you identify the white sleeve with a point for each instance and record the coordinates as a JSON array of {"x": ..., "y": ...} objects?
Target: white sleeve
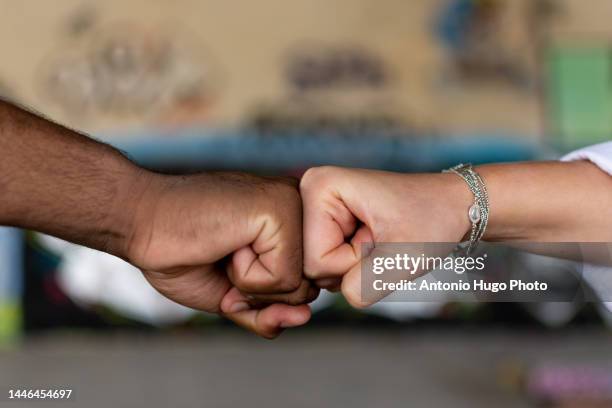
[
  {"x": 599, "y": 154},
  {"x": 598, "y": 277}
]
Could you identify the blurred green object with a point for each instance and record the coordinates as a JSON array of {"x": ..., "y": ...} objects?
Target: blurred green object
[
  {"x": 10, "y": 322},
  {"x": 11, "y": 286},
  {"x": 580, "y": 94}
]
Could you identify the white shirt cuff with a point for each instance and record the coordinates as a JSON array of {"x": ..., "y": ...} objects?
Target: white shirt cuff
[{"x": 599, "y": 154}]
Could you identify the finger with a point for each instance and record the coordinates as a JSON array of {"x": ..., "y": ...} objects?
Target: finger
[
  {"x": 234, "y": 301},
  {"x": 352, "y": 291},
  {"x": 357, "y": 292},
  {"x": 327, "y": 223},
  {"x": 249, "y": 274},
  {"x": 270, "y": 321},
  {"x": 306, "y": 293},
  {"x": 279, "y": 245},
  {"x": 273, "y": 261}
]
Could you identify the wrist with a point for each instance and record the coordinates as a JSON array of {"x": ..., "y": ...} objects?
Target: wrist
[
  {"x": 441, "y": 202},
  {"x": 458, "y": 199},
  {"x": 148, "y": 199},
  {"x": 124, "y": 221}
]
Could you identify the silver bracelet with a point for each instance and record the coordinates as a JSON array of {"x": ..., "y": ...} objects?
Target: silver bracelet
[{"x": 478, "y": 212}]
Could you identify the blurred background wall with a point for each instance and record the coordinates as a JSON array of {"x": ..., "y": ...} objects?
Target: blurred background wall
[
  {"x": 275, "y": 87},
  {"x": 224, "y": 63},
  {"x": 484, "y": 66}
]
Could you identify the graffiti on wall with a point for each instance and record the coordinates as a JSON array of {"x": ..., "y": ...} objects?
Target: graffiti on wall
[
  {"x": 480, "y": 50},
  {"x": 129, "y": 70},
  {"x": 335, "y": 88},
  {"x": 335, "y": 67}
]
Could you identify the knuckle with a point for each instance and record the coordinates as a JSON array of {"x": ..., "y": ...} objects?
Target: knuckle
[
  {"x": 245, "y": 281},
  {"x": 267, "y": 333},
  {"x": 316, "y": 176},
  {"x": 268, "y": 330},
  {"x": 288, "y": 283},
  {"x": 328, "y": 283},
  {"x": 269, "y": 336},
  {"x": 283, "y": 203},
  {"x": 247, "y": 285},
  {"x": 288, "y": 181},
  {"x": 313, "y": 294},
  {"x": 313, "y": 274},
  {"x": 276, "y": 199},
  {"x": 310, "y": 272},
  {"x": 314, "y": 269},
  {"x": 265, "y": 282},
  {"x": 301, "y": 294},
  {"x": 286, "y": 190}
]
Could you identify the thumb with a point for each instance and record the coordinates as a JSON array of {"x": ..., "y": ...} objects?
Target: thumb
[
  {"x": 357, "y": 290},
  {"x": 268, "y": 321},
  {"x": 357, "y": 285}
]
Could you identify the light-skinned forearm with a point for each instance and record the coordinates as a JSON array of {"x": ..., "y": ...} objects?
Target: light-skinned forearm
[
  {"x": 548, "y": 202},
  {"x": 551, "y": 202}
]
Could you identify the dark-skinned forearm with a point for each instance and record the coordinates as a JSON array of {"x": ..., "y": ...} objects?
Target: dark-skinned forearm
[{"x": 57, "y": 181}]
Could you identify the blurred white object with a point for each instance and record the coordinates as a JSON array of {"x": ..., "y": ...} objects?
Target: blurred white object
[
  {"x": 598, "y": 277},
  {"x": 563, "y": 279},
  {"x": 395, "y": 310},
  {"x": 92, "y": 277},
  {"x": 599, "y": 154}
]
